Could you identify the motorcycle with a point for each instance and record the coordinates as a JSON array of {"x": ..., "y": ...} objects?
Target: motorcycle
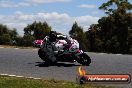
[{"x": 52, "y": 53}]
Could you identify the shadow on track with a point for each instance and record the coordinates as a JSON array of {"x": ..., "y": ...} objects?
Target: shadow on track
[{"x": 43, "y": 64}]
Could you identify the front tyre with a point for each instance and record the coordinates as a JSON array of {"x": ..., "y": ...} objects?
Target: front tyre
[
  {"x": 47, "y": 55},
  {"x": 41, "y": 54},
  {"x": 84, "y": 59}
]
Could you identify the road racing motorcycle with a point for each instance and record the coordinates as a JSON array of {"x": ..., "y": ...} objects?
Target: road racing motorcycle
[{"x": 61, "y": 51}]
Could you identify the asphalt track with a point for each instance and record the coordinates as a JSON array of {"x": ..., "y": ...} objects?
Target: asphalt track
[{"x": 25, "y": 62}]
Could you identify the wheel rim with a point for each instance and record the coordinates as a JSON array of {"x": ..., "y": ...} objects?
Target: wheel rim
[{"x": 85, "y": 60}]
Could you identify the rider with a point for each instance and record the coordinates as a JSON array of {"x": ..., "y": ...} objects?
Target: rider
[
  {"x": 56, "y": 43},
  {"x": 52, "y": 36},
  {"x": 59, "y": 41}
]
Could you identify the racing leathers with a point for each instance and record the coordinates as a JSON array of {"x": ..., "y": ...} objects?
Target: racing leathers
[
  {"x": 58, "y": 43},
  {"x": 64, "y": 42}
]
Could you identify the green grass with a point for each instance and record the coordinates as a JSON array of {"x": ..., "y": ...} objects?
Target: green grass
[{"x": 14, "y": 82}]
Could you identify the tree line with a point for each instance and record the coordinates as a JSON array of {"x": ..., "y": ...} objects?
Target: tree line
[
  {"x": 36, "y": 30},
  {"x": 112, "y": 34}
]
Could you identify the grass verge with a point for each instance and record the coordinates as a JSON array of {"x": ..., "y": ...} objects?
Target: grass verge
[{"x": 14, "y": 82}]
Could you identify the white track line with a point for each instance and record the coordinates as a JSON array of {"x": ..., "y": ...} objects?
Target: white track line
[
  {"x": 102, "y": 53},
  {"x": 16, "y": 48},
  {"x": 35, "y": 49},
  {"x": 36, "y": 78},
  {"x": 118, "y": 54},
  {"x": 1, "y": 47},
  {"x": 108, "y": 53},
  {"x": 20, "y": 76},
  {"x": 12, "y": 75},
  {"x": 4, "y": 74}
]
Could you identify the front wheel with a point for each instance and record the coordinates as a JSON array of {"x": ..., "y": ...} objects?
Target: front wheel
[
  {"x": 41, "y": 54},
  {"x": 84, "y": 59},
  {"x": 47, "y": 55}
]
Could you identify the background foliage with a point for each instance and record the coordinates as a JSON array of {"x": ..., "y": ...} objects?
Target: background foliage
[{"x": 112, "y": 34}]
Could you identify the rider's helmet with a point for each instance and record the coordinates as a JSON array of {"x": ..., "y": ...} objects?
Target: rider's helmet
[{"x": 52, "y": 36}]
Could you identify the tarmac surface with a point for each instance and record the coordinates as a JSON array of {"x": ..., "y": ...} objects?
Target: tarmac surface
[{"x": 25, "y": 62}]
